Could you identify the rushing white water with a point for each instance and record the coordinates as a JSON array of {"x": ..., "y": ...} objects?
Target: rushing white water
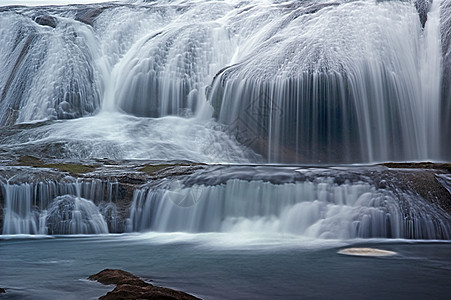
[
  {"x": 119, "y": 136},
  {"x": 258, "y": 201},
  {"x": 48, "y": 72},
  {"x": 358, "y": 82},
  {"x": 311, "y": 209},
  {"x": 49, "y": 2},
  {"x": 57, "y": 208},
  {"x": 74, "y": 215}
]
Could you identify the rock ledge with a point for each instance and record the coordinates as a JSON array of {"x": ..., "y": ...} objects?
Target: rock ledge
[{"x": 129, "y": 286}]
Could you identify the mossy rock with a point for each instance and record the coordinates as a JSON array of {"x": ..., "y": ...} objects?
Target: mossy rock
[
  {"x": 32, "y": 161},
  {"x": 71, "y": 168},
  {"x": 29, "y": 160},
  {"x": 151, "y": 169}
]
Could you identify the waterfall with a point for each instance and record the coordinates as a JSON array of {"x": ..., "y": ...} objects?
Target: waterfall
[
  {"x": 166, "y": 71},
  {"x": 59, "y": 208},
  {"x": 309, "y": 82},
  {"x": 74, "y": 215},
  {"x": 359, "y": 81},
  {"x": 319, "y": 209},
  {"x": 48, "y": 69},
  {"x": 328, "y": 203}
]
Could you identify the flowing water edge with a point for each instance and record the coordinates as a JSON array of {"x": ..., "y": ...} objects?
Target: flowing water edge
[
  {"x": 230, "y": 149},
  {"x": 207, "y": 266}
]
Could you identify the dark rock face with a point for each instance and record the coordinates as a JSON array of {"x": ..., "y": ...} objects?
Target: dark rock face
[
  {"x": 129, "y": 286},
  {"x": 445, "y": 18},
  {"x": 88, "y": 15},
  {"x": 46, "y": 21},
  {"x": 112, "y": 276},
  {"x": 423, "y": 7}
]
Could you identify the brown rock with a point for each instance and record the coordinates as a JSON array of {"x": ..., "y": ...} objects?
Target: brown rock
[
  {"x": 112, "y": 276},
  {"x": 129, "y": 286}
]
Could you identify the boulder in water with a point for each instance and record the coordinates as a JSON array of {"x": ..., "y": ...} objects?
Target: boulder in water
[
  {"x": 129, "y": 286},
  {"x": 46, "y": 21},
  {"x": 366, "y": 252},
  {"x": 2, "y": 291}
]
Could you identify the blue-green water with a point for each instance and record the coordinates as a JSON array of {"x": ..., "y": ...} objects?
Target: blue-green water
[{"x": 223, "y": 266}]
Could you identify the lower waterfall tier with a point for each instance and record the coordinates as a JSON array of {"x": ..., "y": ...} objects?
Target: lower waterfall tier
[{"x": 328, "y": 203}]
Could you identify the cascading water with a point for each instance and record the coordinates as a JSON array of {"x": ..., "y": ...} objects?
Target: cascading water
[
  {"x": 329, "y": 203},
  {"x": 58, "y": 208},
  {"x": 320, "y": 209},
  {"x": 358, "y": 82},
  {"x": 227, "y": 81},
  {"x": 72, "y": 215},
  {"x": 226, "y": 139},
  {"x": 47, "y": 71}
]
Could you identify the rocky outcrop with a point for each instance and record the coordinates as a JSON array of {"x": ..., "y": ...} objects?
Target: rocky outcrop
[
  {"x": 423, "y": 7},
  {"x": 129, "y": 286},
  {"x": 420, "y": 181},
  {"x": 46, "y": 21}
]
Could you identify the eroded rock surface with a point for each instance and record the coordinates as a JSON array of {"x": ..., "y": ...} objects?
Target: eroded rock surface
[{"x": 129, "y": 286}]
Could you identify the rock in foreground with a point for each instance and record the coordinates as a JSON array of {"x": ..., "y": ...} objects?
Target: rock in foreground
[{"x": 129, "y": 286}]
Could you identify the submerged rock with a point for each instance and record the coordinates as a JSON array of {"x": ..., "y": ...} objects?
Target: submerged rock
[
  {"x": 366, "y": 252},
  {"x": 129, "y": 286}
]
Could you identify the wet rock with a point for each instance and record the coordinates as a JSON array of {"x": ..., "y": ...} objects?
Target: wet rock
[
  {"x": 366, "y": 252},
  {"x": 88, "y": 15},
  {"x": 421, "y": 179},
  {"x": 421, "y": 165},
  {"x": 112, "y": 276},
  {"x": 2, "y": 291},
  {"x": 423, "y": 7},
  {"x": 46, "y": 21},
  {"x": 445, "y": 19},
  {"x": 129, "y": 286},
  {"x": 29, "y": 160},
  {"x": 72, "y": 168}
]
